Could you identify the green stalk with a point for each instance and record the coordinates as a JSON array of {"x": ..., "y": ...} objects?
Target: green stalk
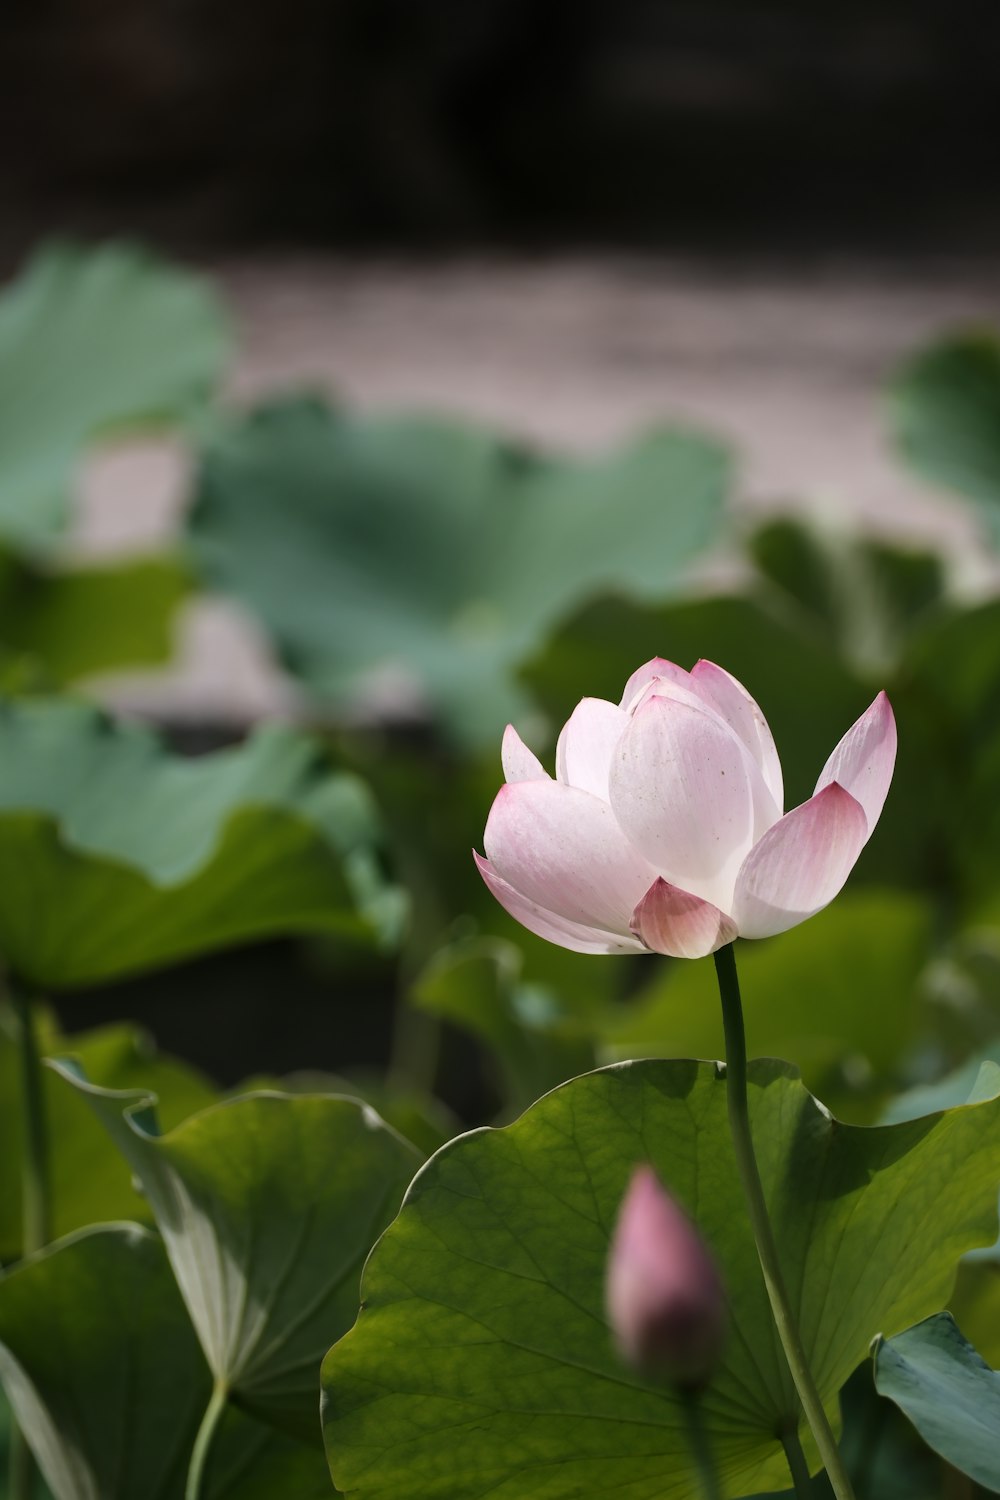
[
  {"x": 203, "y": 1442},
  {"x": 701, "y": 1450},
  {"x": 797, "y": 1466},
  {"x": 35, "y": 1191},
  {"x": 760, "y": 1223},
  {"x": 35, "y": 1194}
]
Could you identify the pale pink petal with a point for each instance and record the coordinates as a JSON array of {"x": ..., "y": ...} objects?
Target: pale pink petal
[
  {"x": 800, "y": 864},
  {"x": 689, "y": 796},
  {"x": 586, "y": 743},
  {"x": 520, "y": 763},
  {"x": 673, "y": 921},
  {"x": 548, "y": 924},
  {"x": 651, "y": 671},
  {"x": 731, "y": 699},
  {"x": 562, "y": 850},
  {"x": 863, "y": 761}
]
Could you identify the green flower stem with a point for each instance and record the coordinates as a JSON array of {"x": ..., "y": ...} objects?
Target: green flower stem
[
  {"x": 760, "y": 1223},
  {"x": 36, "y": 1197},
  {"x": 797, "y": 1466},
  {"x": 701, "y": 1450},
  {"x": 35, "y": 1190},
  {"x": 203, "y": 1442}
]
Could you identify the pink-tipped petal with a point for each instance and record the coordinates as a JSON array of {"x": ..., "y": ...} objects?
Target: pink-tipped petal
[
  {"x": 657, "y": 670},
  {"x": 548, "y": 924},
  {"x": 586, "y": 744},
  {"x": 689, "y": 796},
  {"x": 674, "y": 922},
  {"x": 520, "y": 763},
  {"x": 800, "y": 864},
  {"x": 863, "y": 761},
  {"x": 730, "y": 698},
  {"x": 563, "y": 851}
]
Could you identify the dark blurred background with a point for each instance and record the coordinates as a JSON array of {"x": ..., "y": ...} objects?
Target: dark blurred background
[{"x": 718, "y": 125}]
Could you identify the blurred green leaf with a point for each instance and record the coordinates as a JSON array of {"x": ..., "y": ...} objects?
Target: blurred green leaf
[
  {"x": 946, "y": 414},
  {"x": 836, "y": 995},
  {"x": 481, "y": 1360},
  {"x": 434, "y": 555},
  {"x": 949, "y": 1393},
  {"x": 89, "y": 1180},
  {"x": 418, "y": 1117},
  {"x": 138, "y": 857},
  {"x": 861, "y": 596},
  {"x": 93, "y": 340},
  {"x": 109, "y": 1383},
  {"x": 75, "y": 623},
  {"x": 537, "y": 1039},
  {"x": 268, "y": 1205}
]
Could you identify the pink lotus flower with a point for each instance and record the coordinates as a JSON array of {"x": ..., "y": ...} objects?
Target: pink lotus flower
[
  {"x": 665, "y": 1299},
  {"x": 663, "y": 829}
]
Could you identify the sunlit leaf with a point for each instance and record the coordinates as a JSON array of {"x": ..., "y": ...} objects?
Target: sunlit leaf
[
  {"x": 434, "y": 556},
  {"x": 109, "y": 1384},
  {"x": 481, "y": 1361},
  {"x": 92, "y": 340},
  {"x": 946, "y": 412},
  {"x": 949, "y": 1393},
  {"x": 137, "y": 857},
  {"x": 268, "y": 1205},
  {"x": 89, "y": 1182}
]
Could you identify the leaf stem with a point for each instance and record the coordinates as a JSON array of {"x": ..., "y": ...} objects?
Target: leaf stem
[
  {"x": 701, "y": 1450},
  {"x": 797, "y": 1466},
  {"x": 35, "y": 1194},
  {"x": 203, "y": 1442},
  {"x": 760, "y": 1223}
]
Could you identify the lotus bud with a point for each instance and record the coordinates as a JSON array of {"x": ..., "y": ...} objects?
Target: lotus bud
[{"x": 665, "y": 1299}]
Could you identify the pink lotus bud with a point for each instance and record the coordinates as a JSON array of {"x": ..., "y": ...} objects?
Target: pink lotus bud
[
  {"x": 664, "y": 827},
  {"x": 665, "y": 1299}
]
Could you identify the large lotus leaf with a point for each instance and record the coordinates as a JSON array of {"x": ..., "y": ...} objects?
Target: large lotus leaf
[
  {"x": 109, "y": 1384},
  {"x": 117, "y": 856},
  {"x": 949, "y": 1393},
  {"x": 92, "y": 340},
  {"x": 946, "y": 413},
  {"x": 89, "y": 1181},
  {"x": 837, "y": 995},
  {"x": 481, "y": 1362},
  {"x": 436, "y": 554},
  {"x": 268, "y": 1205},
  {"x": 58, "y": 626}
]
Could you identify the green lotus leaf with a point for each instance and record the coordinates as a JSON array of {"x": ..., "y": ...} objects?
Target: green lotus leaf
[
  {"x": 109, "y": 1385},
  {"x": 60, "y": 625},
  {"x": 93, "y": 340},
  {"x": 949, "y": 1393},
  {"x": 117, "y": 856},
  {"x": 481, "y": 1362},
  {"x": 89, "y": 1182},
  {"x": 946, "y": 414},
  {"x": 434, "y": 554},
  {"x": 268, "y": 1205}
]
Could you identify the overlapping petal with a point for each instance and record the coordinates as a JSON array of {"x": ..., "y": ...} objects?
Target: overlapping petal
[
  {"x": 689, "y": 796},
  {"x": 674, "y": 922},
  {"x": 586, "y": 744},
  {"x": 548, "y": 924},
  {"x": 562, "y": 850},
  {"x": 519, "y": 763},
  {"x": 800, "y": 864},
  {"x": 863, "y": 762},
  {"x": 731, "y": 699}
]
